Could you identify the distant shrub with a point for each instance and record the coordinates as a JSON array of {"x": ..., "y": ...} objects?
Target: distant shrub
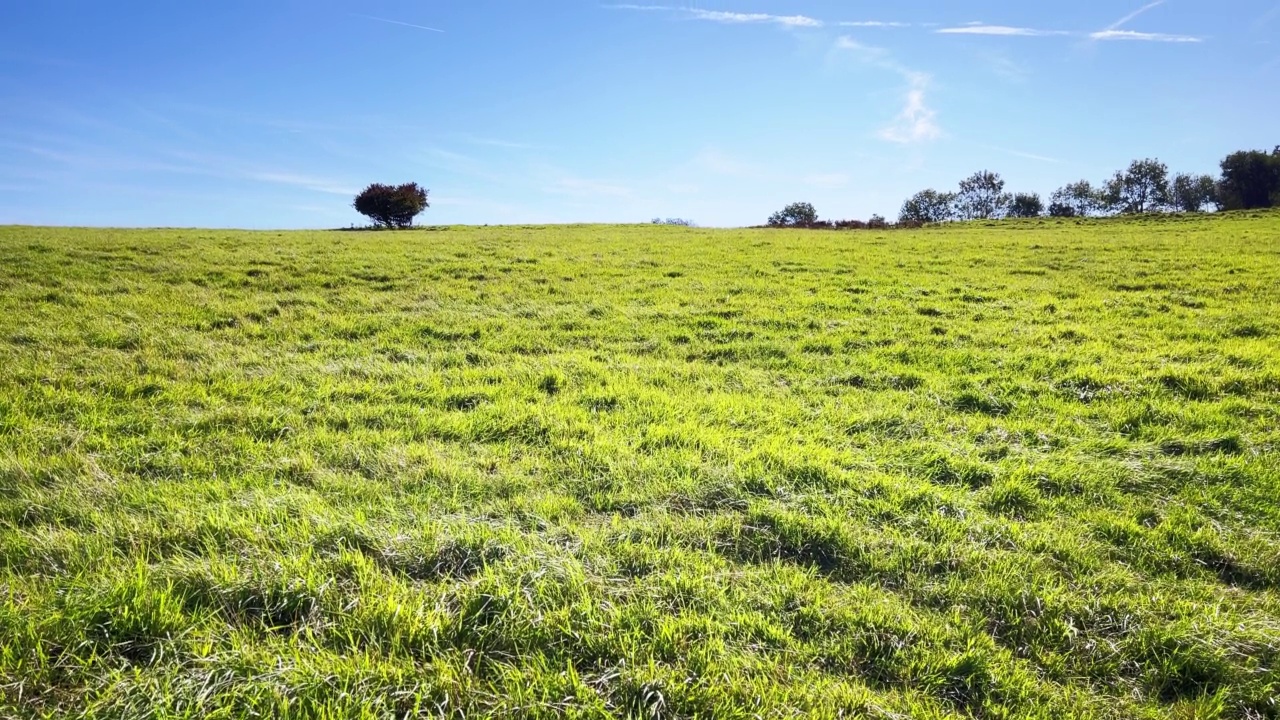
[
  {"x": 678, "y": 222},
  {"x": 1061, "y": 210},
  {"x": 799, "y": 214},
  {"x": 850, "y": 225},
  {"x": 392, "y": 206},
  {"x": 877, "y": 222}
]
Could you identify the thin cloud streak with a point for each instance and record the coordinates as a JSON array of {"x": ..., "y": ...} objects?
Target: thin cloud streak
[
  {"x": 1131, "y": 16},
  {"x": 728, "y": 18},
  {"x": 975, "y": 28},
  {"x": 1143, "y": 36},
  {"x": 735, "y": 18},
  {"x": 396, "y": 22},
  {"x": 1002, "y": 30},
  {"x": 1024, "y": 155},
  {"x": 1267, "y": 17},
  {"x": 873, "y": 24}
]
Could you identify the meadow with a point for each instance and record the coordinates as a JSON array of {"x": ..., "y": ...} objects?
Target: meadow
[{"x": 1017, "y": 469}]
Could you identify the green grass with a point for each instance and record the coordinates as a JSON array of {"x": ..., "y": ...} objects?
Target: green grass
[{"x": 1015, "y": 470}]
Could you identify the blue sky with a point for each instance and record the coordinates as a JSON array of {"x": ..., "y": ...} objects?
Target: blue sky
[{"x": 272, "y": 113}]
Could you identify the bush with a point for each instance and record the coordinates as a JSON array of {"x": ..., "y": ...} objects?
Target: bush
[
  {"x": 877, "y": 222},
  {"x": 1061, "y": 210},
  {"x": 392, "y": 206},
  {"x": 677, "y": 222},
  {"x": 799, "y": 214}
]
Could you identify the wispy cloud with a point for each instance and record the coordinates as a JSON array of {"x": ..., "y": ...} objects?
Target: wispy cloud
[
  {"x": 1025, "y": 155},
  {"x": 718, "y": 162},
  {"x": 917, "y": 122},
  {"x": 305, "y": 182},
  {"x": 494, "y": 142},
  {"x": 1267, "y": 17},
  {"x": 873, "y": 24},
  {"x": 1133, "y": 15},
  {"x": 1143, "y": 36},
  {"x": 1003, "y": 30},
  {"x": 728, "y": 18},
  {"x": 396, "y": 22},
  {"x": 826, "y": 181},
  {"x": 587, "y": 188},
  {"x": 1113, "y": 31},
  {"x": 735, "y": 18}
]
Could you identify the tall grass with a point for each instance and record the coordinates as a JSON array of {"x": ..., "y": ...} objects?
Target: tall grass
[{"x": 1013, "y": 470}]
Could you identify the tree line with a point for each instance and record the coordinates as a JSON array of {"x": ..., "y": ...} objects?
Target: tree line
[{"x": 1250, "y": 179}]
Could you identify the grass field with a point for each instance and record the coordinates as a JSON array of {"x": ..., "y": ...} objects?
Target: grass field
[{"x": 1017, "y": 470}]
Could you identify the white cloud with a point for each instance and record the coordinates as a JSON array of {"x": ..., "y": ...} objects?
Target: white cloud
[
  {"x": 720, "y": 163},
  {"x": 729, "y": 18},
  {"x": 742, "y": 18},
  {"x": 874, "y": 24},
  {"x": 1113, "y": 31},
  {"x": 586, "y": 188},
  {"x": 1143, "y": 36},
  {"x": 917, "y": 122},
  {"x": 1122, "y": 21},
  {"x": 869, "y": 53},
  {"x": 827, "y": 181},
  {"x": 1003, "y": 30},
  {"x": 1026, "y": 155},
  {"x": 306, "y": 182}
]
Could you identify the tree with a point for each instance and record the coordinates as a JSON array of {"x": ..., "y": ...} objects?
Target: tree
[
  {"x": 982, "y": 196},
  {"x": 392, "y": 206},
  {"x": 1078, "y": 197},
  {"x": 1143, "y": 188},
  {"x": 1191, "y": 193},
  {"x": 799, "y": 214},
  {"x": 1026, "y": 205},
  {"x": 928, "y": 206},
  {"x": 1250, "y": 179}
]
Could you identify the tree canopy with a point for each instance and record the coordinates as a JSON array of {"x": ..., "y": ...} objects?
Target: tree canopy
[
  {"x": 982, "y": 197},
  {"x": 800, "y": 214},
  {"x": 392, "y": 206},
  {"x": 1250, "y": 179}
]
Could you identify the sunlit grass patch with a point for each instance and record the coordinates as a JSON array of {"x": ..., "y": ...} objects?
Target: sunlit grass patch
[{"x": 655, "y": 472}]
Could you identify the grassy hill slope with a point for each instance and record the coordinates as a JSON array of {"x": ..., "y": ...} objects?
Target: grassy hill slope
[{"x": 1024, "y": 470}]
